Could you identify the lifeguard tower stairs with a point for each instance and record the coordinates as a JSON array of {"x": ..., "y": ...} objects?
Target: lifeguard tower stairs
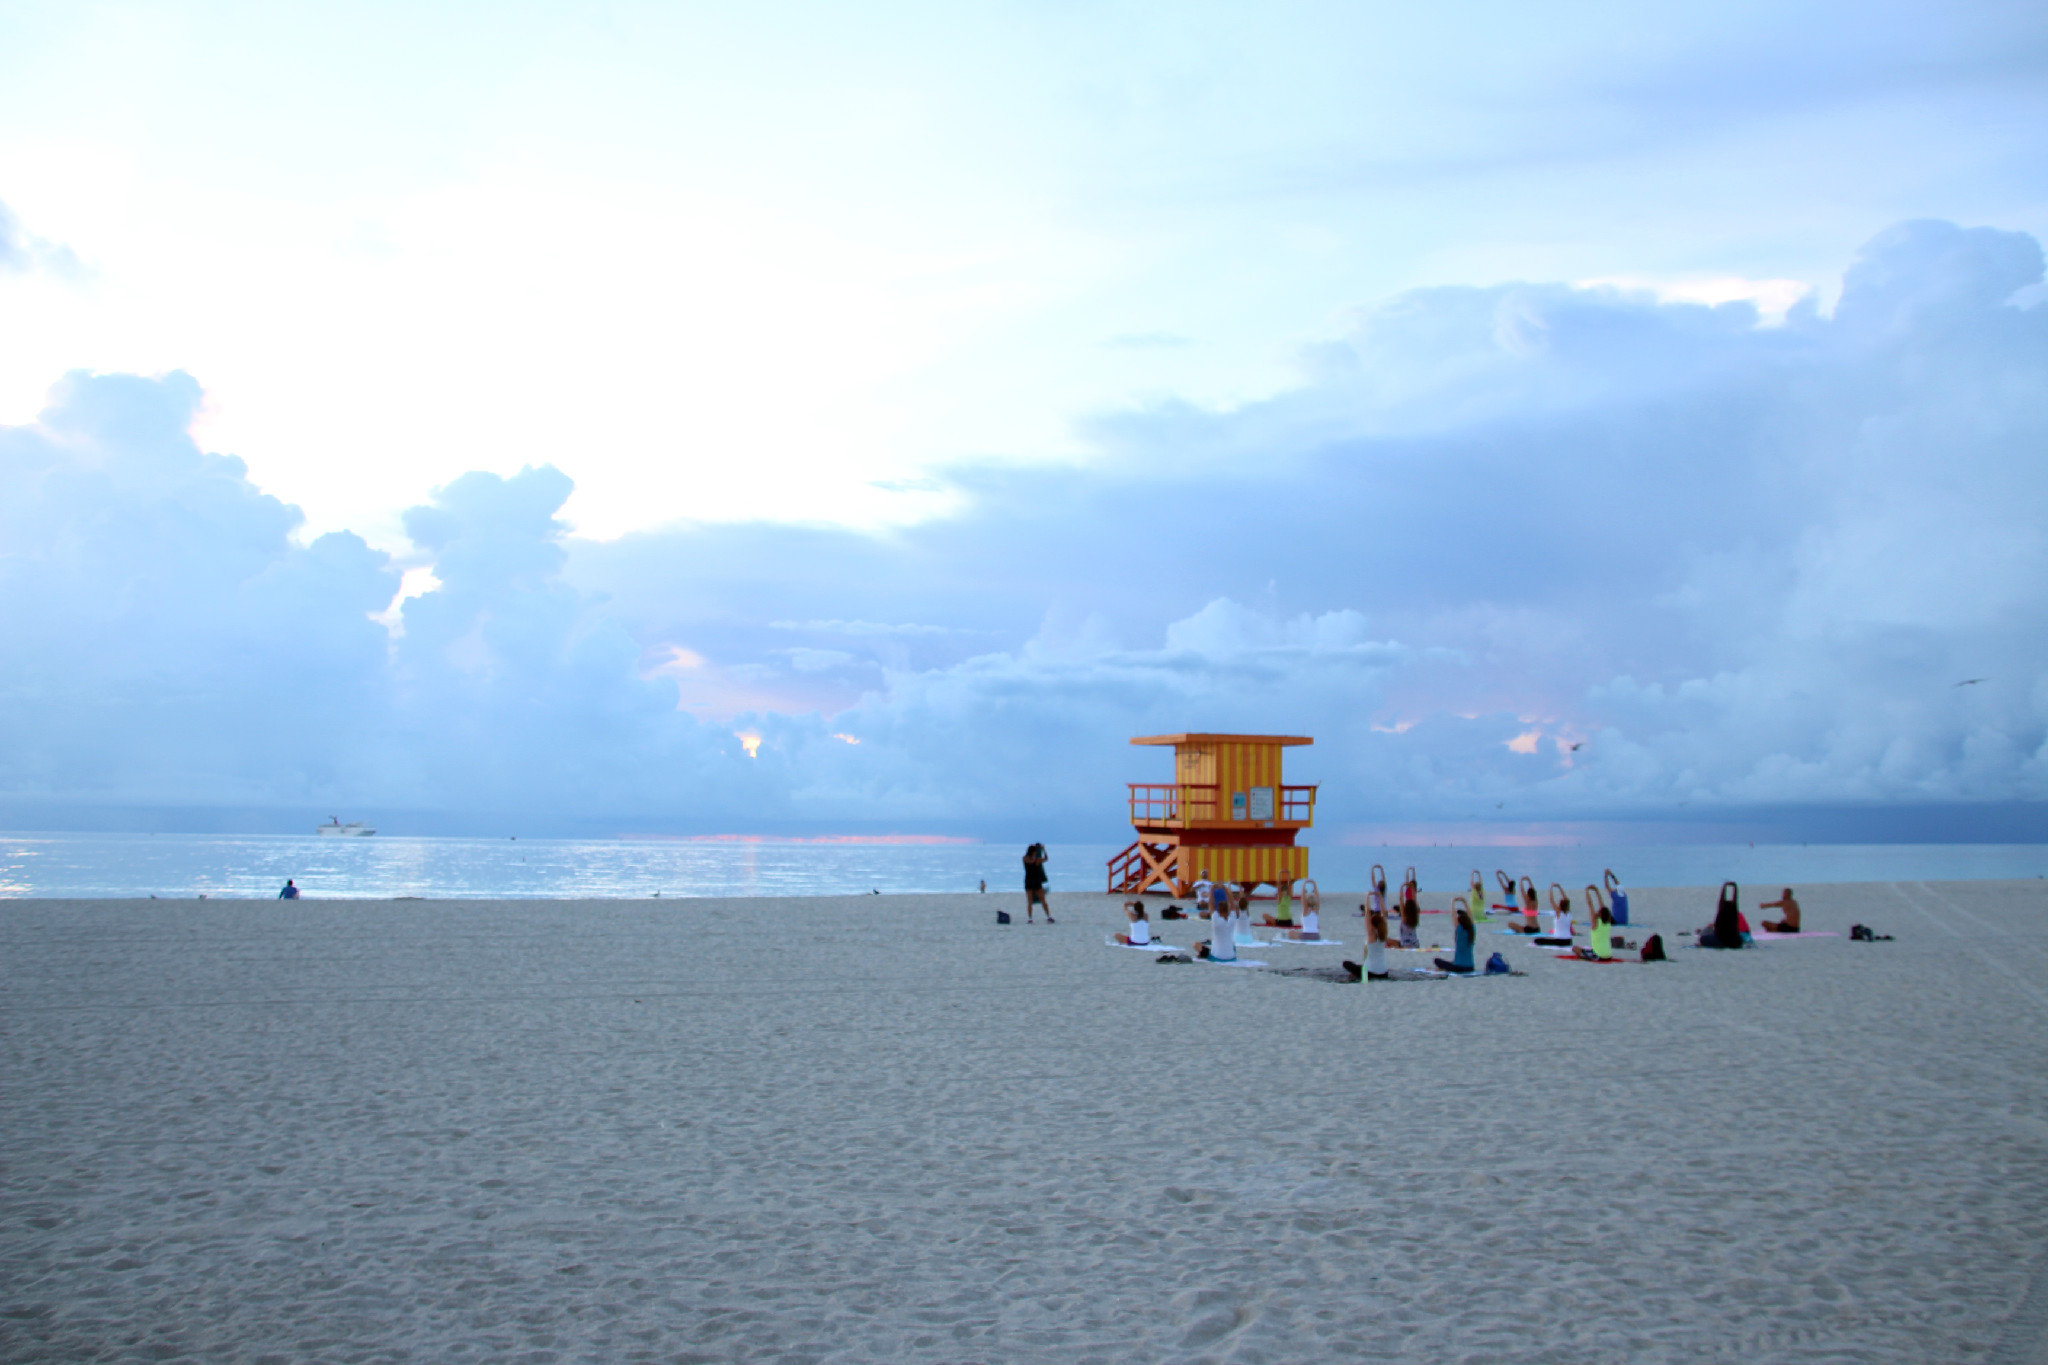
[{"x": 1227, "y": 812}]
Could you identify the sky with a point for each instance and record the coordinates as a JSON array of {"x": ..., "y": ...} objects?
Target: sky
[{"x": 812, "y": 419}]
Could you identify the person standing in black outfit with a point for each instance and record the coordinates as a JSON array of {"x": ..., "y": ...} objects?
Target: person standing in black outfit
[{"x": 1034, "y": 883}]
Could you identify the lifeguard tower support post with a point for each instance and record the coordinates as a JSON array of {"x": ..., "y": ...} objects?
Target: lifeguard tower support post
[{"x": 1226, "y": 810}]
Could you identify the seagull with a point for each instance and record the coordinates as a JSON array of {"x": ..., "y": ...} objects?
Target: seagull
[
  {"x": 1970, "y": 682},
  {"x": 1498, "y": 804},
  {"x": 1580, "y": 745}
]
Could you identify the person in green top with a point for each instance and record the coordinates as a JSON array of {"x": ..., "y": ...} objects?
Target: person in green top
[
  {"x": 1477, "y": 900},
  {"x": 1283, "y": 912},
  {"x": 1603, "y": 934}
]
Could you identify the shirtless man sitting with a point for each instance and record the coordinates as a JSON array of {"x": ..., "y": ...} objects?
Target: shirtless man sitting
[{"x": 1790, "y": 905}]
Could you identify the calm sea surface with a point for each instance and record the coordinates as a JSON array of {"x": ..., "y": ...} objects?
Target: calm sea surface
[{"x": 257, "y": 865}]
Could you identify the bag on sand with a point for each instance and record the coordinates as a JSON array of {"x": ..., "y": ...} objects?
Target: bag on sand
[
  {"x": 1653, "y": 949},
  {"x": 1496, "y": 965},
  {"x": 1002, "y": 917}
]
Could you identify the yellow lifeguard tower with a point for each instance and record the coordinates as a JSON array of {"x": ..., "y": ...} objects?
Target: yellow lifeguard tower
[{"x": 1226, "y": 812}]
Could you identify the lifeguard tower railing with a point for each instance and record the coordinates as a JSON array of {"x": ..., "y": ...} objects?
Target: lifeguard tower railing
[{"x": 1179, "y": 805}]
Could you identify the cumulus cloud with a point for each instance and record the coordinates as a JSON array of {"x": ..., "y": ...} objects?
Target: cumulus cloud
[
  {"x": 1529, "y": 550},
  {"x": 1734, "y": 564}
]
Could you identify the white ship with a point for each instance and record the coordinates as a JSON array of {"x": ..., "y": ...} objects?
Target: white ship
[{"x": 334, "y": 826}]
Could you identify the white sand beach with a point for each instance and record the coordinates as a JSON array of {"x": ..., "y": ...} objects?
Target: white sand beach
[{"x": 885, "y": 1129}]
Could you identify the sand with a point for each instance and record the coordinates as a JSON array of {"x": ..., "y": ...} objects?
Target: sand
[{"x": 884, "y": 1129}]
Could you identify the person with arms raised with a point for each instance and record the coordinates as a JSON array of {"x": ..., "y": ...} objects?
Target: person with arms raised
[{"x": 1460, "y": 960}]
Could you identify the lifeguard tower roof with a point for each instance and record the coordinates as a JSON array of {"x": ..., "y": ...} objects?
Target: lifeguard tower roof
[{"x": 1223, "y": 739}]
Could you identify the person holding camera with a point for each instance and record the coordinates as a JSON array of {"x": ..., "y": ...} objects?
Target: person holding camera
[{"x": 1034, "y": 883}]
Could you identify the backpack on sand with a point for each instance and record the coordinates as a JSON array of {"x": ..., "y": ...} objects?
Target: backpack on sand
[
  {"x": 1496, "y": 965},
  {"x": 1002, "y": 917},
  {"x": 1653, "y": 949}
]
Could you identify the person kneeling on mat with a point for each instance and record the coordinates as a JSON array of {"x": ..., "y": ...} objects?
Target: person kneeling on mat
[{"x": 1461, "y": 946}]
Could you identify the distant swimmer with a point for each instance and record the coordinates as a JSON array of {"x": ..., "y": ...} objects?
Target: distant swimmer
[{"x": 290, "y": 892}]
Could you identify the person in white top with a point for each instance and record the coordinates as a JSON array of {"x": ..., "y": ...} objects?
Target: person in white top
[
  {"x": 1140, "y": 935},
  {"x": 1374, "y": 968},
  {"x": 1222, "y": 945},
  {"x": 1202, "y": 885},
  {"x": 1241, "y": 914},
  {"x": 1311, "y": 924}
]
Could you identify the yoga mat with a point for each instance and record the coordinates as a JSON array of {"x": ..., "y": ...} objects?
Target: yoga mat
[
  {"x": 1574, "y": 957},
  {"x": 1234, "y": 962},
  {"x": 1817, "y": 933},
  {"x": 1153, "y": 947}
]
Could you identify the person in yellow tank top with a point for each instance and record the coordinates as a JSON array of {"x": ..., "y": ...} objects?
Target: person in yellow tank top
[
  {"x": 1283, "y": 909},
  {"x": 1603, "y": 934},
  {"x": 1477, "y": 901}
]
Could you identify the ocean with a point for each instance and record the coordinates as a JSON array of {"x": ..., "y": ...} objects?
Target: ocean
[{"x": 183, "y": 865}]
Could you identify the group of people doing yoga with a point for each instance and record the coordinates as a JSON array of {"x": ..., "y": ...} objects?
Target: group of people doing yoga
[
  {"x": 1398, "y": 924},
  {"x": 1226, "y": 905}
]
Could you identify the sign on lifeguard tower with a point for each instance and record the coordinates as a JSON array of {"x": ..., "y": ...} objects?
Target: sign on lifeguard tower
[{"x": 1226, "y": 813}]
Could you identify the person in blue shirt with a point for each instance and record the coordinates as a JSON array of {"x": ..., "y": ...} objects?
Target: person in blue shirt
[
  {"x": 1460, "y": 960},
  {"x": 290, "y": 892}
]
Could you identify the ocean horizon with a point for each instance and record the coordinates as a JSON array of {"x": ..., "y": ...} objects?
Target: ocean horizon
[{"x": 99, "y": 865}]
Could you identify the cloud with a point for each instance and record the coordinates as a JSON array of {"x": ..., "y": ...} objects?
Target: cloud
[
  {"x": 1740, "y": 566},
  {"x": 858, "y": 628},
  {"x": 20, "y": 252}
]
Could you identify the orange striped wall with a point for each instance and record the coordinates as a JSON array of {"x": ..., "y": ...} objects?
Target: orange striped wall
[
  {"x": 1233, "y": 768},
  {"x": 1268, "y": 864}
]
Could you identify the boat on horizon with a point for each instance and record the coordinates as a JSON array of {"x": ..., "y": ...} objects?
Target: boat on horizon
[{"x": 334, "y": 826}]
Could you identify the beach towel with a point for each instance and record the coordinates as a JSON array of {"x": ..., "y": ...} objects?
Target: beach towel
[
  {"x": 1305, "y": 943},
  {"x": 1336, "y": 975},
  {"x": 1233, "y": 962},
  {"x": 1153, "y": 947},
  {"x": 1805, "y": 933}
]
